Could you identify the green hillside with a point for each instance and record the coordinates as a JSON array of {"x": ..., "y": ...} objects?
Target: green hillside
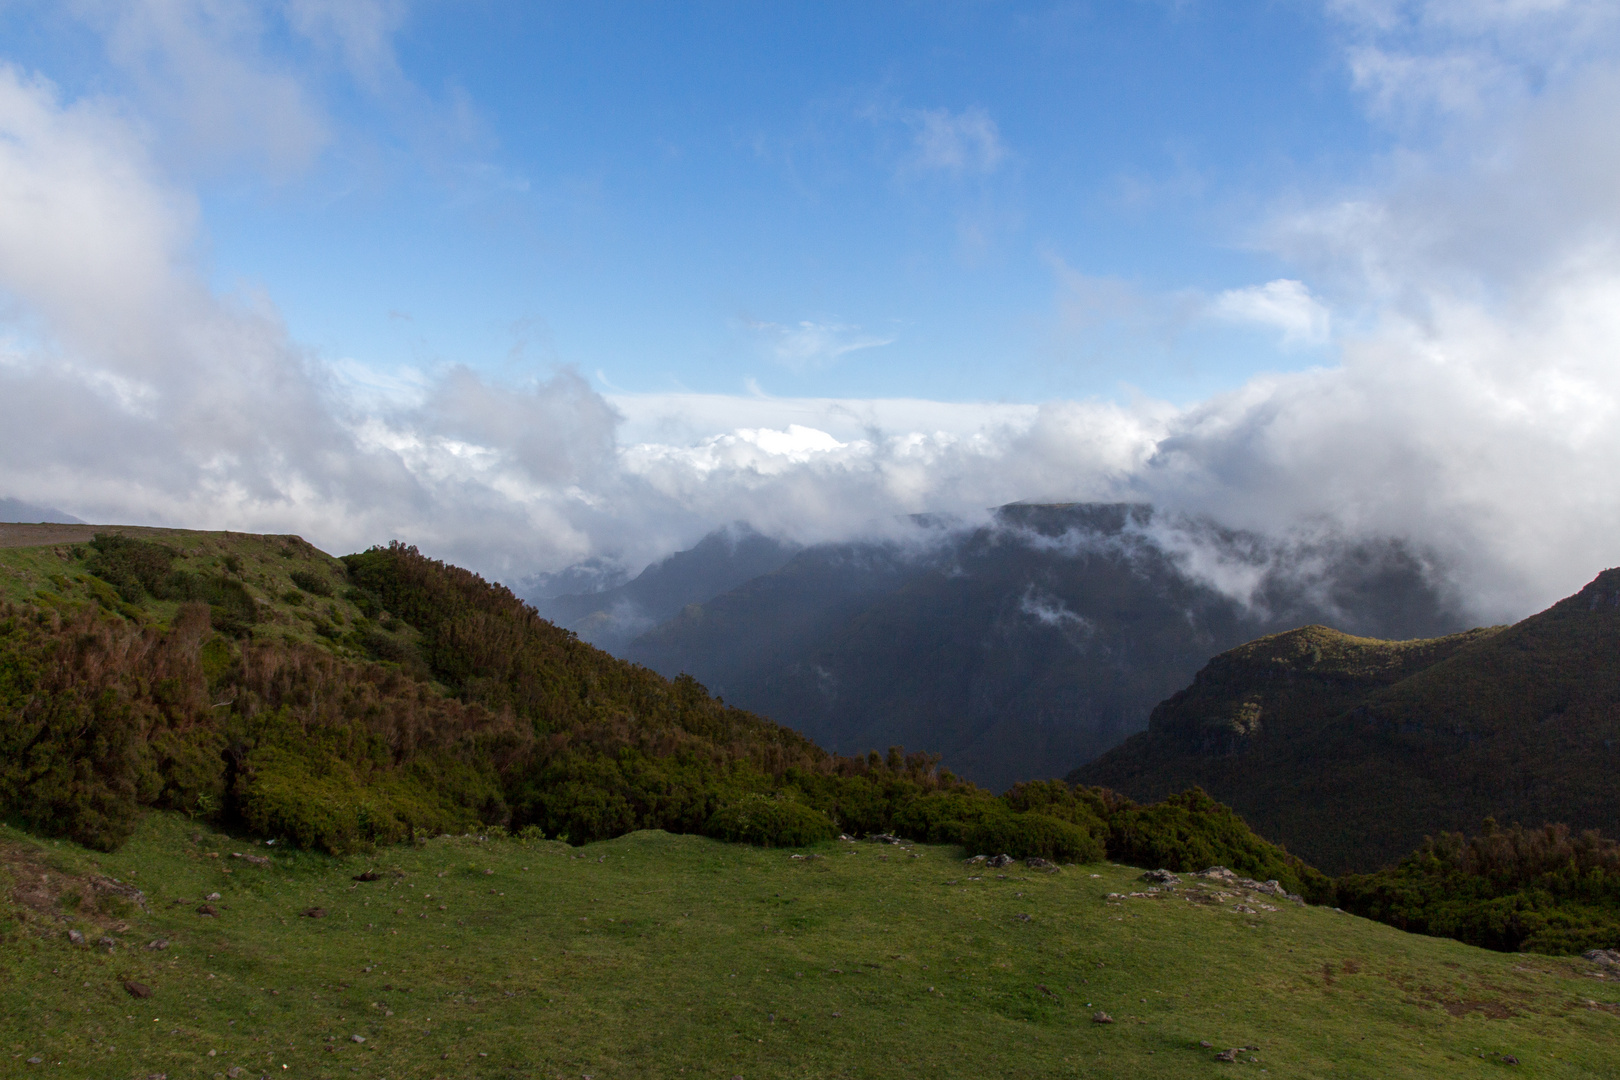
[
  {"x": 655, "y": 955},
  {"x": 345, "y": 704},
  {"x": 1351, "y": 751}
]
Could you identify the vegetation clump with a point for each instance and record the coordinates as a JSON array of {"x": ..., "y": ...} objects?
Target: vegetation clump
[{"x": 1537, "y": 890}]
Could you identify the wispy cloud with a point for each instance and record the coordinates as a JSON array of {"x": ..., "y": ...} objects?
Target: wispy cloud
[
  {"x": 806, "y": 345},
  {"x": 955, "y": 142}
]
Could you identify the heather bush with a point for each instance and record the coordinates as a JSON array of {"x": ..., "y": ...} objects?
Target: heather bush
[
  {"x": 1025, "y": 836},
  {"x": 770, "y": 821}
]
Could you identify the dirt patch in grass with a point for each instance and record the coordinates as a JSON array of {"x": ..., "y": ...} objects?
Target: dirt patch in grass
[
  {"x": 46, "y": 897},
  {"x": 1493, "y": 1010}
]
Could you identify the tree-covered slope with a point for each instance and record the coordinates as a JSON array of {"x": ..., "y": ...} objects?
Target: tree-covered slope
[{"x": 1352, "y": 751}]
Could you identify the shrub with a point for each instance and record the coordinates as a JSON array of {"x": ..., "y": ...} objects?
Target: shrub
[
  {"x": 1536, "y": 890},
  {"x": 133, "y": 567},
  {"x": 770, "y": 821},
  {"x": 312, "y": 583},
  {"x": 1025, "y": 836},
  {"x": 1192, "y": 832},
  {"x": 945, "y": 817}
]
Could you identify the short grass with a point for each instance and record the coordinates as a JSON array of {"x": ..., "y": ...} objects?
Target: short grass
[{"x": 674, "y": 956}]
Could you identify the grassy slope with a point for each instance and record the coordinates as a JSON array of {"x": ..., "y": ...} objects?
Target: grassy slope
[
  {"x": 1355, "y": 755},
  {"x": 667, "y": 956},
  {"x": 57, "y": 574}
]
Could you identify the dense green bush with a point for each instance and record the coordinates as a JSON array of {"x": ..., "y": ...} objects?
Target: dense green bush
[
  {"x": 770, "y": 821},
  {"x": 1537, "y": 890},
  {"x": 944, "y": 817},
  {"x": 140, "y": 568},
  {"x": 1025, "y": 836},
  {"x": 312, "y": 583},
  {"x": 1192, "y": 832},
  {"x": 322, "y": 801}
]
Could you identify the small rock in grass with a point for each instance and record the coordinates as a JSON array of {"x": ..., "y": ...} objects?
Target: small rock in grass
[
  {"x": 1205, "y": 1043},
  {"x": 1161, "y": 877},
  {"x": 313, "y": 913},
  {"x": 212, "y": 896},
  {"x": 357, "y": 1038},
  {"x": 999, "y": 861},
  {"x": 1101, "y": 1018},
  {"x": 75, "y": 938},
  {"x": 35, "y": 1060},
  {"x": 369, "y": 875},
  {"x": 1227, "y": 1055},
  {"x": 140, "y": 990},
  {"x": 1605, "y": 957},
  {"x": 207, "y": 909},
  {"x": 159, "y": 945},
  {"x": 1035, "y": 862},
  {"x": 1509, "y": 1059}
]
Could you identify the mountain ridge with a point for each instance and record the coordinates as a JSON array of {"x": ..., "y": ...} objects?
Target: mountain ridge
[
  {"x": 1516, "y": 723},
  {"x": 1016, "y": 649}
]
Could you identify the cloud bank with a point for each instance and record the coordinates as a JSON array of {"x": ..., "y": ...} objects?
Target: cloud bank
[{"x": 1473, "y": 411}]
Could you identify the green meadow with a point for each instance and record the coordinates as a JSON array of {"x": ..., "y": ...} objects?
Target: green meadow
[{"x": 656, "y": 955}]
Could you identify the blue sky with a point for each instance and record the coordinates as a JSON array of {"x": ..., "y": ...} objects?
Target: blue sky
[
  {"x": 839, "y": 200},
  {"x": 534, "y": 284}
]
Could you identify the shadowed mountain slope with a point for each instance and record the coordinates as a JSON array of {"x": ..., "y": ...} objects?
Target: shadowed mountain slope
[
  {"x": 1351, "y": 751},
  {"x": 611, "y": 618},
  {"x": 1016, "y": 649}
]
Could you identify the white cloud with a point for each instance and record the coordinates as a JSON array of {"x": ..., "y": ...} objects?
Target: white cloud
[
  {"x": 1462, "y": 57},
  {"x": 1475, "y": 413},
  {"x": 199, "y": 66},
  {"x": 806, "y": 344},
  {"x": 1284, "y": 305}
]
